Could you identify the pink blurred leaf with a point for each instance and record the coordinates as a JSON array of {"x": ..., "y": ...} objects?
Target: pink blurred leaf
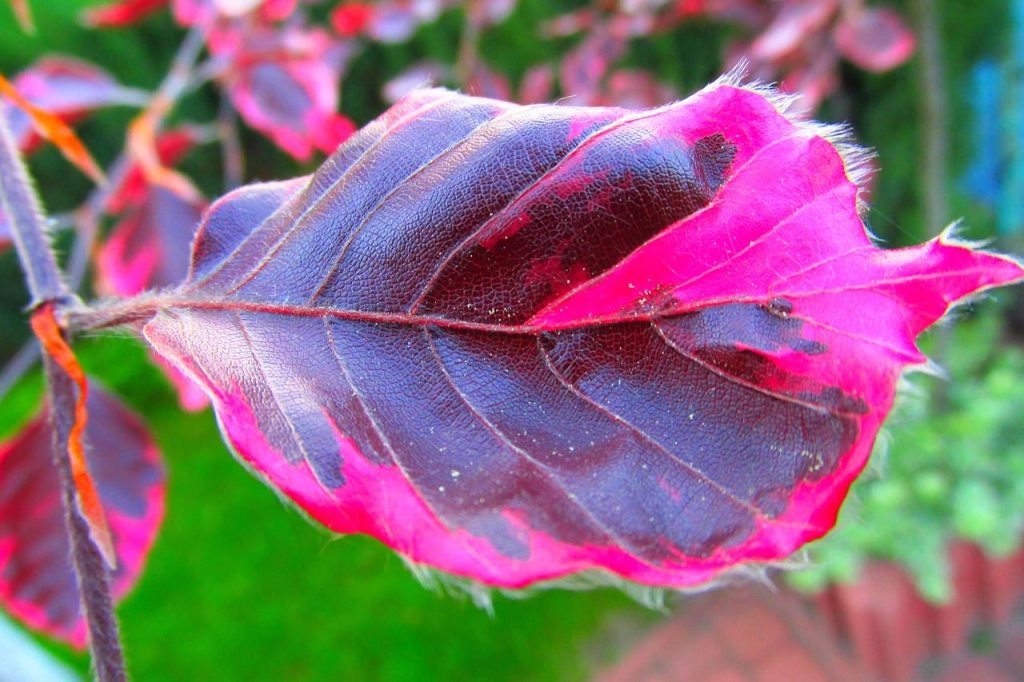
[
  {"x": 485, "y": 82},
  {"x": 794, "y": 24},
  {"x": 350, "y": 19},
  {"x": 284, "y": 83},
  {"x": 635, "y": 89},
  {"x": 23, "y": 13},
  {"x": 874, "y": 39},
  {"x": 395, "y": 21},
  {"x": 583, "y": 70},
  {"x": 37, "y": 584},
  {"x": 170, "y": 147},
  {"x": 814, "y": 79},
  {"x": 485, "y": 13},
  {"x": 121, "y": 12},
  {"x": 516, "y": 343},
  {"x": 149, "y": 247},
  {"x": 537, "y": 84},
  {"x": 65, "y": 87},
  {"x": 192, "y": 12},
  {"x": 5, "y": 232},
  {"x": 419, "y": 75}
]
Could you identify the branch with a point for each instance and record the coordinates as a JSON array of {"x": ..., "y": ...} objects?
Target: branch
[
  {"x": 935, "y": 166},
  {"x": 47, "y": 287},
  {"x": 90, "y": 568},
  {"x": 28, "y": 230}
]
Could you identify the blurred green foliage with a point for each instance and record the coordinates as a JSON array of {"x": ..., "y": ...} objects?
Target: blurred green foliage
[{"x": 238, "y": 588}]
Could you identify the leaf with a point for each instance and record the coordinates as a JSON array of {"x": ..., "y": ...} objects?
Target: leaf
[
  {"x": 285, "y": 84},
  {"x": 484, "y": 13},
  {"x": 537, "y": 84},
  {"x": 164, "y": 151},
  {"x": 150, "y": 246},
  {"x": 395, "y": 21},
  {"x": 121, "y": 12},
  {"x": 192, "y": 12},
  {"x": 351, "y": 18},
  {"x": 5, "y": 232},
  {"x": 486, "y": 82},
  {"x": 23, "y": 13},
  {"x": 794, "y": 25},
  {"x": 516, "y": 343},
  {"x": 66, "y": 88},
  {"x": 874, "y": 39},
  {"x": 37, "y": 584},
  {"x": 419, "y": 75},
  {"x": 585, "y": 67},
  {"x": 634, "y": 89}
]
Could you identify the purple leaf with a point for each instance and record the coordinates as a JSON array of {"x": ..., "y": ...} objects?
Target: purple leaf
[
  {"x": 419, "y": 75},
  {"x": 515, "y": 343},
  {"x": 37, "y": 584},
  {"x": 65, "y": 87},
  {"x": 486, "y": 82},
  {"x": 874, "y": 39},
  {"x": 585, "y": 67},
  {"x": 284, "y": 83},
  {"x": 796, "y": 22},
  {"x": 191, "y": 12},
  {"x": 150, "y": 246},
  {"x": 537, "y": 84}
]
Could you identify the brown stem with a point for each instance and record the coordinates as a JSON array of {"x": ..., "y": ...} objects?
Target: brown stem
[
  {"x": 28, "y": 230},
  {"x": 231, "y": 146},
  {"x": 469, "y": 49},
  {"x": 90, "y": 568},
  {"x": 935, "y": 162},
  {"x": 935, "y": 166}
]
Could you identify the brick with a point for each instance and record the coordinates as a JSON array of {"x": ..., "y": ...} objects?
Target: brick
[
  {"x": 1011, "y": 648},
  {"x": 753, "y": 631},
  {"x": 791, "y": 664},
  {"x": 973, "y": 669},
  {"x": 724, "y": 674}
]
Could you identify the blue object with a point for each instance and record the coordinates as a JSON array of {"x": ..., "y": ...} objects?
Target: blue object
[{"x": 995, "y": 177}]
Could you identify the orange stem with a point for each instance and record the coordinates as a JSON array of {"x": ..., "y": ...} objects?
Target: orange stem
[{"x": 50, "y": 335}]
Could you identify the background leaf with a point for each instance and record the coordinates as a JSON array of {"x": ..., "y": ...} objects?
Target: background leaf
[{"x": 37, "y": 584}]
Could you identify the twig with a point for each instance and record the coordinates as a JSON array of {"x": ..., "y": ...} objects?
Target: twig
[
  {"x": 935, "y": 164},
  {"x": 28, "y": 227},
  {"x": 46, "y": 285},
  {"x": 90, "y": 568},
  {"x": 469, "y": 49},
  {"x": 231, "y": 146}
]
